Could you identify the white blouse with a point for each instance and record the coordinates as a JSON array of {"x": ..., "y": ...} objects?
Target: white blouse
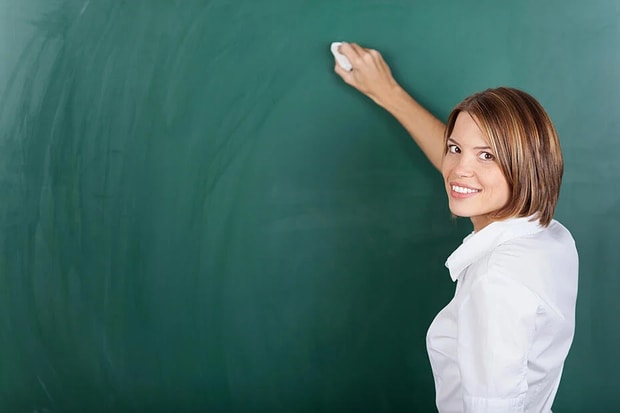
[{"x": 500, "y": 344}]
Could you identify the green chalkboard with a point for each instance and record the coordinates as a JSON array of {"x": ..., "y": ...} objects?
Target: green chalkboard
[{"x": 196, "y": 214}]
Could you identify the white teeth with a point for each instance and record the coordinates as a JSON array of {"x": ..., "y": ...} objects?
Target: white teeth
[{"x": 462, "y": 190}]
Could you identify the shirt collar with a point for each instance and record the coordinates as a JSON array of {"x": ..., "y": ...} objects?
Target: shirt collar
[{"x": 478, "y": 244}]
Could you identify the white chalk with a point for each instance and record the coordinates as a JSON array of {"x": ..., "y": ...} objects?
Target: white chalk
[{"x": 341, "y": 59}]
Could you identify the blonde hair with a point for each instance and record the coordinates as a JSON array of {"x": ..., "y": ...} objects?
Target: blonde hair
[{"x": 526, "y": 146}]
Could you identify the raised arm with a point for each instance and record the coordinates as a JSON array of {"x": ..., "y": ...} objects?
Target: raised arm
[{"x": 372, "y": 76}]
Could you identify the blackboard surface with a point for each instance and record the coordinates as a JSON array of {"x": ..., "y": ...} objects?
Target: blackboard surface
[{"x": 197, "y": 215}]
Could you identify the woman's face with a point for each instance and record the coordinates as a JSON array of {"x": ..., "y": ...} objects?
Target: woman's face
[{"x": 473, "y": 179}]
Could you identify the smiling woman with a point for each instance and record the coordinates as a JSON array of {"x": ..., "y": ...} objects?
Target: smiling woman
[
  {"x": 501, "y": 342},
  {"x": 512, "y": 135}
]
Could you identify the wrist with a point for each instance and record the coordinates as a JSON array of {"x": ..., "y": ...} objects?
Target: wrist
[{"x": 393, "y": 98}]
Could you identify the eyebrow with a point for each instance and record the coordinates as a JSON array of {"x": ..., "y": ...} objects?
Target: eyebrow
[{"x": 475, "y": 147}]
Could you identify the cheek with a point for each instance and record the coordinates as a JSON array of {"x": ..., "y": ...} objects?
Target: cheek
[
  {"x": 446, "y": 167},
  {"x": 501, "y": 186},
  {"x": 506, "y": 191}
]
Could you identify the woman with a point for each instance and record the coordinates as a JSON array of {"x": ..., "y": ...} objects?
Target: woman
[{"x": 501, "y": 342}]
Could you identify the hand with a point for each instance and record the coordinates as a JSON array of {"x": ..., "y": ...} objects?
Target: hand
[{"x": 370, "y": 74}]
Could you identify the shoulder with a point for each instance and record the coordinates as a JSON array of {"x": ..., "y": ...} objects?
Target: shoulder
[
  {"x": 545, "y": 262},
  {"x": 552, "y": 243}
]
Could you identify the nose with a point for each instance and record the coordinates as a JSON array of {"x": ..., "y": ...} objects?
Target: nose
[{"x": 464, "y": 167}]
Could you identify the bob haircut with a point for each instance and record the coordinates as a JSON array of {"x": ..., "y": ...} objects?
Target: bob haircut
[{"x": 526, "y": 146}]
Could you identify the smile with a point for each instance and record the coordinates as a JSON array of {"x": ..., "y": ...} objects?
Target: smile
[{"x": 463, "y": 190}]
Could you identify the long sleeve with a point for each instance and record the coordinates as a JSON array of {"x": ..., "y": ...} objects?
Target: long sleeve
[{"x": 496, "y": 324}]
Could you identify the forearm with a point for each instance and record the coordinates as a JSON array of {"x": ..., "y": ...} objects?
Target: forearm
[
  {"x": 425, "y": 129},
  {"x": 372, "y": 76}
]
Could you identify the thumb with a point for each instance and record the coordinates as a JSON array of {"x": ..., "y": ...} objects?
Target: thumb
[{"x": 347, "y": 76}]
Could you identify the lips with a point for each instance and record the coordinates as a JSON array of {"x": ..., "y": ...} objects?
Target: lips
[{"x": 461, "y": 191}]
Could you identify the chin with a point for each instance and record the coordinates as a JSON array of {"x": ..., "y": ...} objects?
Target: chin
[{"x": 462, "y": 212}]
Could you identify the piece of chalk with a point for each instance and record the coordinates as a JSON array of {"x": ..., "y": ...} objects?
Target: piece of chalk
[{"x": 341, "y": 59}]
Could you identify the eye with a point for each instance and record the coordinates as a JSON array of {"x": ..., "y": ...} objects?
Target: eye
[
  {"x": 453, "y": 148},
  {"x": 486, "y": 156}
]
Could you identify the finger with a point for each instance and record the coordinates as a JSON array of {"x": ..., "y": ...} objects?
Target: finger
[
  {"x": 359, "y": 50},
  {"x": 367, "y": 56},
  {"x": 344, "y": 74},
  {"x": 374, "y": 53},
  {"x": 349, "y": 52}
]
